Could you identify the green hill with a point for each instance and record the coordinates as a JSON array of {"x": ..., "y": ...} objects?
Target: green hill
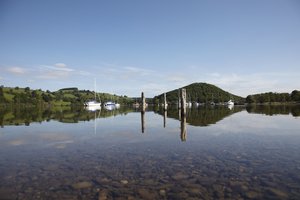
[
  {"x": 201, "y": 93},
  {"x": 62, "y": 97}
]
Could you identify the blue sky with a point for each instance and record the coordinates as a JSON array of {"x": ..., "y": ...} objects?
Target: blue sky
[{"x": 244, "y": 47}]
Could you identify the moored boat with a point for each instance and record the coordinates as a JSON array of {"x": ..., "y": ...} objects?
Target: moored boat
[
  {"x": 109, "y": 105},
  {"x": 230, "y": 102},
  {"x": 93, "y": 104}
]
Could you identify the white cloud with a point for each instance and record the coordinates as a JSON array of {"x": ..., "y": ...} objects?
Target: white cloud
[
  {"x": 62, "y": 65},
  {"x": 57, "y": 71},
  {"x": 56, "y": 68},
  {"x": 16, "y": 70}
]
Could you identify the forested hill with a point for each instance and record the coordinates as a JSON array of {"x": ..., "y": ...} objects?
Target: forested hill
[
  {"x": 66, "y": 96},
  {"x": 201, "y": 93}
]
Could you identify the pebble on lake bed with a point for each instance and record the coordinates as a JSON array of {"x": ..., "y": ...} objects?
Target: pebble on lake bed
[
  {"x": 162, "y": 192},
  {"x": 82, "y": 185},
  {"x": 124, "y": 181}
]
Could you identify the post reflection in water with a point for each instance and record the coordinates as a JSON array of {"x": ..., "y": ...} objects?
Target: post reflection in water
[
  {"x": 143, "y": 120},
  {"x": 165, "y": 118},
  {"x": 183, "y": 131}
]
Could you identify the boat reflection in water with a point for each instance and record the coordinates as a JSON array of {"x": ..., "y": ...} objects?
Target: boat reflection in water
[
  {"x": 230, "y": 106},
  {"x": 93, "y": 107}
]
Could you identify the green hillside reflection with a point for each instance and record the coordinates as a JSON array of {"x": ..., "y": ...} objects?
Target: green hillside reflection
[
  {"x": 202, "y": 116},
  {"x": 26, "y": 116},
  {"x": 275, "y": 109}
]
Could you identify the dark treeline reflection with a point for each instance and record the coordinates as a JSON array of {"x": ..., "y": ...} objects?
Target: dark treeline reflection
[
  {"x": 202, "y": 116},
  {"x": 275, "y": 109},
  {"x": 25, "y": 116}
]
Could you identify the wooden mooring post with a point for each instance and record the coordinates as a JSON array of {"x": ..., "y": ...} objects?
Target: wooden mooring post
[
  {"x": 165, "y": 102},
  {"x": 179, "y": 99},
  {"x": 183, "y": 101},
  {"x": 143, "y": 102}
]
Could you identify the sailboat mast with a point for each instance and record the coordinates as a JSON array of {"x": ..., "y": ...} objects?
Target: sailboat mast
[{"x": 95, "y": 88}]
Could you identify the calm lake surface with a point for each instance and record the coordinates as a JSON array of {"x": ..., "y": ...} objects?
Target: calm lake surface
[{"x": 212, "y": 153}]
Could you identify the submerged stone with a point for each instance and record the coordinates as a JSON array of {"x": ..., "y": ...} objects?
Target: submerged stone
[
  {"x": 146, "y": 194},
  {"x": 102, "y": 195},
  {"x": 82, "y": 185},
  {"x": 162, "y": 192},
  {"x": 124, "y": 181},
  {"x": 180, "y": 176}
]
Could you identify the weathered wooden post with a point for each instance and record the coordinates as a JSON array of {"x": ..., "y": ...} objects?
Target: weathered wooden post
[
  {"x": 165, "y": 102},
  {"x": 143, "y": 102},
  {"x": 179, "y": 97},
  {"x": 183, "y": 101}
]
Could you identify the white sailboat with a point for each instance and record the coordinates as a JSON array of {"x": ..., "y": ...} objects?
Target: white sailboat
[
  {"x": 110, "y": 105},
  {"x": 230, "y": 102},
  {"x": 93, "y": 105}
]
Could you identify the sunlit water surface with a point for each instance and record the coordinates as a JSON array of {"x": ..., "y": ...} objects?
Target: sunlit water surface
[{"x": 213, "y": 153}]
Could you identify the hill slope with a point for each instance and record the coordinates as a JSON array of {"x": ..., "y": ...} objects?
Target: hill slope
[
  {"x": 201, "y": 93},
  {"x": 66, "y": 96}
]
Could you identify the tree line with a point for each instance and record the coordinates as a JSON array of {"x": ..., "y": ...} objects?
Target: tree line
[{"x": 273, "y": 97}]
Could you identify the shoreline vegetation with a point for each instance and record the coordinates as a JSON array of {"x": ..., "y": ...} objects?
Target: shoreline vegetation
[
  {"x": 202, "y": 93},
  {"x": 63, "y": 97}
]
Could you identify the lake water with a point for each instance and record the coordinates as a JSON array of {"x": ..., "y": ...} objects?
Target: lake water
[{"x": 212, "y": 153}]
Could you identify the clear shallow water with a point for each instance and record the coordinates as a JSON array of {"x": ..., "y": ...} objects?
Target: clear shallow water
[{"x": 218, "y": 153}]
